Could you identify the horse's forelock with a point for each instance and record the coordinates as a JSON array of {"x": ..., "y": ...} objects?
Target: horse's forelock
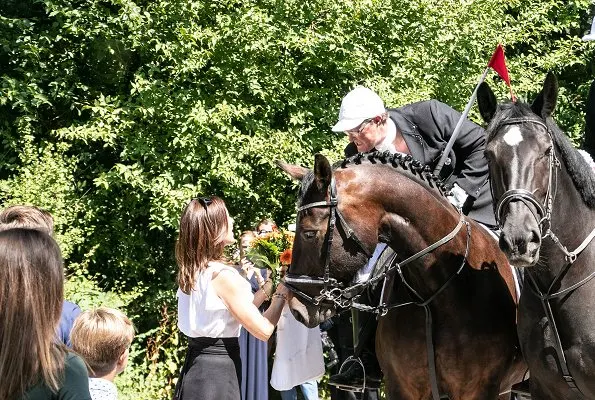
[
  {"x": 506, "y": 111},
  {"x": 307, "y": 181}
]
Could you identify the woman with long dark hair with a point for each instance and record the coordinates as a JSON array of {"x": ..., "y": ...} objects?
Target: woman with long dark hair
[
  {"x": 33, "y": 366},
  {"x": 214, "y": 300}
]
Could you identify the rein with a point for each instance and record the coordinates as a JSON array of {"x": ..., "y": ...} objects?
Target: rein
[
  {"x": 333, "y": 293},
  {"x": 543, "y": 217}
]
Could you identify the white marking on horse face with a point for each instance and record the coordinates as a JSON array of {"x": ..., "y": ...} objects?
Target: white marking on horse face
[{"x": 513, "y": 136}]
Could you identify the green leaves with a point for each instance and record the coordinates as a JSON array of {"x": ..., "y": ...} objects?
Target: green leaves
[{"x": 113, "y": 114}]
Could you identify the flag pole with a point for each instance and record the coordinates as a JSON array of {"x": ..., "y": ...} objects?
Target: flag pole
[{"x": 457, "y": 129}]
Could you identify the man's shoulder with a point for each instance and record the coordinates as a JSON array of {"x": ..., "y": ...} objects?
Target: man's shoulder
[{"x": 431, "y": 105}]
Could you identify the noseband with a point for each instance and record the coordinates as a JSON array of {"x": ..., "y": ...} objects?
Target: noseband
[
  {"x": 331, "y": 291},
  {"x": 544, "y": 210}
]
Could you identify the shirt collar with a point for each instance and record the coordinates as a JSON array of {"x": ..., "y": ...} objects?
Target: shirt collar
[
  {"x": 107, "y": 388},
  {"x": 391, "y": 134}
]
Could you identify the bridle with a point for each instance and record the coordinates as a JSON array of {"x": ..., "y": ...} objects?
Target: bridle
[
  {"x": 331, "y": 291},
  {"x": 544, "y": 210},
  {"x": 543, "y": 217}
]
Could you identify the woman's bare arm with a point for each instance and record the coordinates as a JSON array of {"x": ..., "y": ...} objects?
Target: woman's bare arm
[{"x": 230, "y": 287}]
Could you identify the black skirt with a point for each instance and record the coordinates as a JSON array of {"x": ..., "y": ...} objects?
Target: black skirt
[{"x": 212, "y": 370}]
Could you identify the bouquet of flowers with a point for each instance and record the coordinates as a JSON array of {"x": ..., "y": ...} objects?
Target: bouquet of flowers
[{"x": 272, "y": 251}]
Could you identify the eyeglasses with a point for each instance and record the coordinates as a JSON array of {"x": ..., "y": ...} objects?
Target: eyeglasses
[
  {"x": 358, "y": 130},
  {"x": 204, "y": 201},
  {"x": 264, "y": 231}
]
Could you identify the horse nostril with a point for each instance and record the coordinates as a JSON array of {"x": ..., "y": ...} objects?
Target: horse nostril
[
  {"x": 504, "y": 243},
  {"x": 534, "y": 242},
  {"x": 535, "y": 237}
]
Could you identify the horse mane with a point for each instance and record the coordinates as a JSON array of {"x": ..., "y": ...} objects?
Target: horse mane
[
  {"x": 404, "y": 163},
  {"x": 579, "y": 170}
]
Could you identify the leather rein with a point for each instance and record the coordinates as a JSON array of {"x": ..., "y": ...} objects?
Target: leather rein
[{"x": 543, "y": 217}]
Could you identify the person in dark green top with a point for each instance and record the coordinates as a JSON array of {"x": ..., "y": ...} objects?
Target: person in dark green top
[
  {"x": 33, "y": 366},
  {"x": 75, "y": 385}
]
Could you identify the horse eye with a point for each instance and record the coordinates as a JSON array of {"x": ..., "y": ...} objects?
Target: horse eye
[
  {"x": 309, "y": 235},
  {"x": 547, "y": 153}
]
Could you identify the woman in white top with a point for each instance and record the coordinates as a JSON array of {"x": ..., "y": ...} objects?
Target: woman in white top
[{"x": 213, "y": 301}]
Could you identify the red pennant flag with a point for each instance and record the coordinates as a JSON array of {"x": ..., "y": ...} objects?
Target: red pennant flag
[{"x": 498, "y": 64}]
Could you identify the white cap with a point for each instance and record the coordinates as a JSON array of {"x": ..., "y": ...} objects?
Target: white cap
[
  {"x": 591, "y": 35},
  {"x": 357, "y": 106}
]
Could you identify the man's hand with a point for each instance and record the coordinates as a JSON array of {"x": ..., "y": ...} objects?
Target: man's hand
[{"x": 457, "y": 196}]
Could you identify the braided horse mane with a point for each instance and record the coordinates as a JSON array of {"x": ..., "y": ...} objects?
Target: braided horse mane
[{"x": 404, "y": 163}]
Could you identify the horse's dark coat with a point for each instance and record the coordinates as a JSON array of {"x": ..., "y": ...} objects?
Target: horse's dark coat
[{"x": 523, "y": 166}]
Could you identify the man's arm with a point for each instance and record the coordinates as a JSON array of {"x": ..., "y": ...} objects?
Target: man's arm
[{"x": 436, "y": 118}]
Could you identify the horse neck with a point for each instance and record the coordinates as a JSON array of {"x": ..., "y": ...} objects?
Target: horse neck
[
  {"x": 415, "y": 218},
  {"x": 571, "y": 222}
]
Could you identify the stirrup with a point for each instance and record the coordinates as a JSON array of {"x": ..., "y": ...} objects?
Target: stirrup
[{"x": 350, "y": 360}]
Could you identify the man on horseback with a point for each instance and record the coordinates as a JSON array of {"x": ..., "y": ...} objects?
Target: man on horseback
[{"x": 422, "y": 130}]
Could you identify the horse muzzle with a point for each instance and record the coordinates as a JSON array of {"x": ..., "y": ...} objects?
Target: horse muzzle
[
  {"x": 310, "y": 315},
  {"x": 521, "y": 246}
]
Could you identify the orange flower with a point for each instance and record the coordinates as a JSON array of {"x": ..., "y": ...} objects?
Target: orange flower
[{"x": 285, "y": 257}]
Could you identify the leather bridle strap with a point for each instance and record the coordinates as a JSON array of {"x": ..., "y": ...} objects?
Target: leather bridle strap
[
  {"x": 526, "y": 197},
  {"x": 330, "y": 291},
  {"x": 523, "y": 195}
]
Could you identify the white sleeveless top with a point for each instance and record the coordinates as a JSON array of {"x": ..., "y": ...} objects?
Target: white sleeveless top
[{"x": 202, "y": 313}]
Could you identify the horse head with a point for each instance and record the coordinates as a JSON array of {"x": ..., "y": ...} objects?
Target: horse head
[
  {"x": 324, "y": 257},
  {"x": 522, "y": 160}
]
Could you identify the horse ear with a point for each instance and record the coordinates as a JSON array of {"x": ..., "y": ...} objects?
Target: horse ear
[
  {"x": 486, "y": 101},
  {"x": 545, "y": 103},
  {"x": 322, "y": 171},
  {"x": 294, "y": 171}
]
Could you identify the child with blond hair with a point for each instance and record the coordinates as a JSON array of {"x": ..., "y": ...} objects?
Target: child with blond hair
[{"x": 103, "y": 337}]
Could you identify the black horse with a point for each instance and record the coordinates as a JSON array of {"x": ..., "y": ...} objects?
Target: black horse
[
  {"x": 544, "y": 196},
  {"x": 450, "y": 322}
]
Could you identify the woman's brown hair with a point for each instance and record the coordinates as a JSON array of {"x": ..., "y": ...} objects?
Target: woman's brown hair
[
  {"x": 31, "y": 297},
  {"x": 203, "y": 228}
]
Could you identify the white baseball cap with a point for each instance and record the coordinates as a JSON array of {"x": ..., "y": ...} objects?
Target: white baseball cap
[
  {"x": 591, "y": 35},
  {"x": 357, "y": 106}
]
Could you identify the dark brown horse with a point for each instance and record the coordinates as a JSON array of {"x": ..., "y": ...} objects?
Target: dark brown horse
[
  {"x": 545, "y": 205},
  {"x": 455, "y": 299}
]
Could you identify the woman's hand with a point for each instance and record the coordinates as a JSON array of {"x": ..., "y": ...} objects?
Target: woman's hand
[
  {"x": 283, "y": 291},
  {"x": 248, "y": 270},
  {"x": 267, "y": 288}
]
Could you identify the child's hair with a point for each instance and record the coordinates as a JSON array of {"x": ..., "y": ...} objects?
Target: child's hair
[
  {"x": 101, "y": 336},
  {"x": 264, "y": 222},
  {"x": 245, "y": 236},
  {"x": 31, "y": 296},
  {"x": 29, "y": 217},
  {"x": 203, "y": 228}
]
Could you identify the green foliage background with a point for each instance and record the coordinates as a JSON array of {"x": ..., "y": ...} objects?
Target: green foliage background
[{"x": 113, "y": 113}]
